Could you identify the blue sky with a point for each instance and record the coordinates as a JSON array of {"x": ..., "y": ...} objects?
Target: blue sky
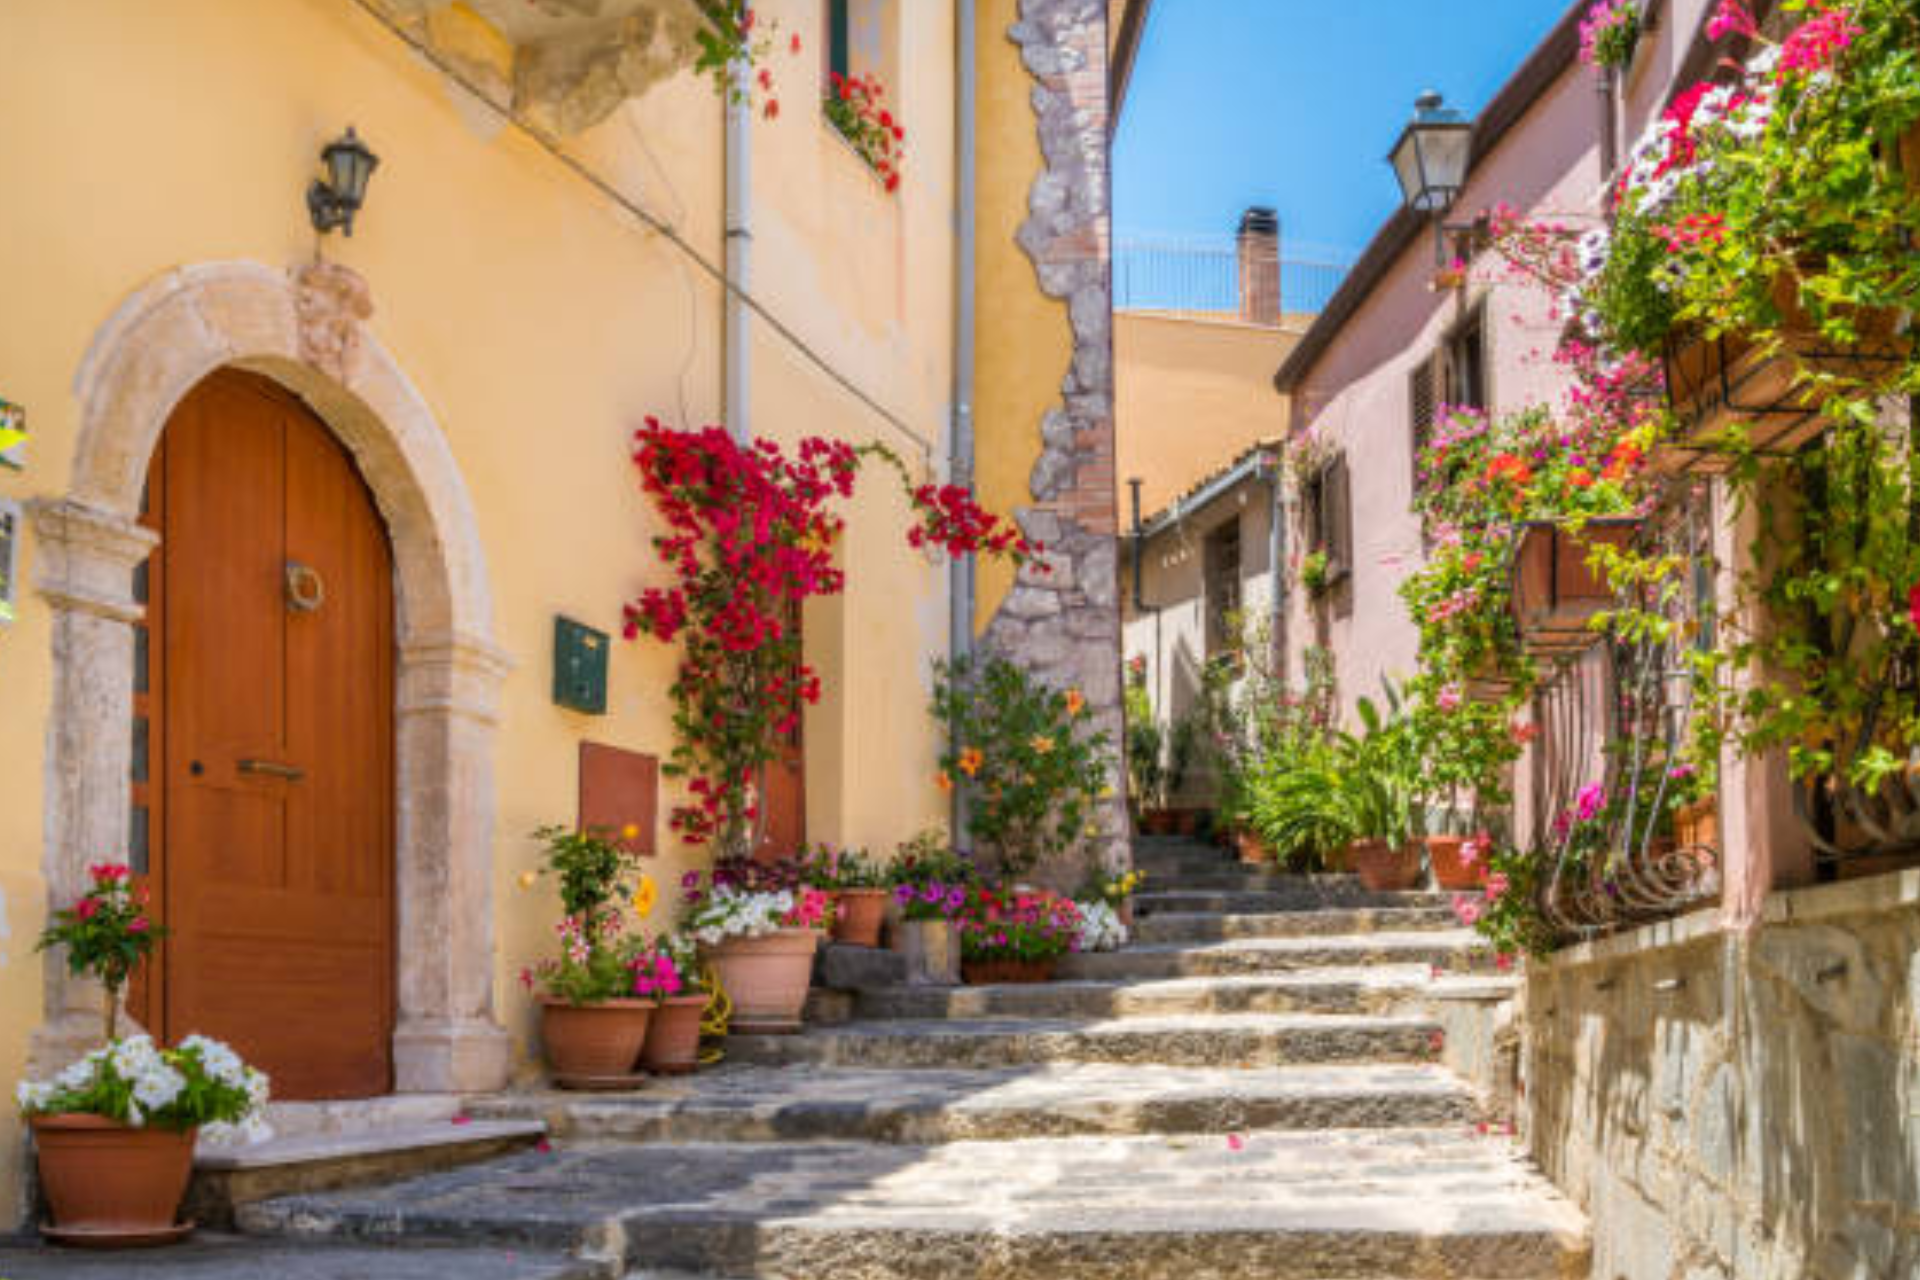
[{"x": 1294, "y": 103}]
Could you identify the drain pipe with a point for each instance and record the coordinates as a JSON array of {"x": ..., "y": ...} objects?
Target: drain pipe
[
  {"x": 736, "y": 393},
  {"x": 960, "y": 571},
  {"x": 1276, "y": 565}
]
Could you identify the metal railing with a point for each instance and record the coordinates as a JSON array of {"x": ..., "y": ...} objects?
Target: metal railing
[{"x": 1203, "y": 276}]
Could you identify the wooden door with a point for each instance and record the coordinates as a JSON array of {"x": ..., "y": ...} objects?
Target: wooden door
[
  {"x": 783, "y": 793},
  {"x": 271, "y": 737}
]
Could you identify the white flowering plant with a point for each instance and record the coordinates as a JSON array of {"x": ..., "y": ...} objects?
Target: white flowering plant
[
  {"x": 728, "y": 911},
  {"x": 1100, "y": 928},
  {"x": 200, "y": 1084}
]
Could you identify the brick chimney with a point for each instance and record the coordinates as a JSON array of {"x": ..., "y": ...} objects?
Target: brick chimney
[{"x": 1259, "y": 245}]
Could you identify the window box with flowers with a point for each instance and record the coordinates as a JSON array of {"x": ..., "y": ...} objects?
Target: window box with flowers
[{"x": 856, "y": 107}]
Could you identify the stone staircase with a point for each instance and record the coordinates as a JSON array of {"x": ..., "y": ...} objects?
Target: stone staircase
[{"x": 1259, "y": 1088}]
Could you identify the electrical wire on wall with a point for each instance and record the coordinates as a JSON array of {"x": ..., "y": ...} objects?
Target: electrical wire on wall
[{"x": 665, "y": 229}]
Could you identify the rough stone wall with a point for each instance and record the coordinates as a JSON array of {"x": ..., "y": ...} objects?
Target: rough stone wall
[
  {"x": 1065, "y": 625},
  {"x": 1740, "y": 1105}
]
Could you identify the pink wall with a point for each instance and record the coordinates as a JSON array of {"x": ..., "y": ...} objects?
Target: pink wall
[{"x": 1356, "y": 395}]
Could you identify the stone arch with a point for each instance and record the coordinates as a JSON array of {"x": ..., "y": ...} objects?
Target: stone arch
[{"x": 305, "y": 329}]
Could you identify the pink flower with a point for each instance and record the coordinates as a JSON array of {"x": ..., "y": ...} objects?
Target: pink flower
[
  {"x": 1235, "y": 1142},
  {"x": 138, "y": 925},
  {"x": 87, "y": 908},
  {"x": 1466, "y": 909},
  {"x": 1731, "y": 16},
  {"x": 1497, "y": 886},
  {"x": 1818, "y": 41},
  {"x": 1589, "y": 802},
  {"x": 1449, "y": 698},
  {"x": 1503, "y": 961}
]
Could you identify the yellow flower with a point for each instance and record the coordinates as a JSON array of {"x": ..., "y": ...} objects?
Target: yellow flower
[
  {"x": 529, "y": 878},
  {"x": 1106, "y": 793},
  {"x": 1075, "y": 702},
  {"x": 1041, "y": 744},
  {"x": 970, "y": 761},
  {"x": 630, "y": 832},
  {"x": 645, "y": 896}
]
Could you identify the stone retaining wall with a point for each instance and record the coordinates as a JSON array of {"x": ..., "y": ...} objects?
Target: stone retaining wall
[{"x": 1739, "y": 1105}]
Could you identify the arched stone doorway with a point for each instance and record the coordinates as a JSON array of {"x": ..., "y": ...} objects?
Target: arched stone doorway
[{"x": 304, "y": 330}]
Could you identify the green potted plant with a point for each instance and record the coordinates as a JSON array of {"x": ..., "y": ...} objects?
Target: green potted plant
[
  {"x": 592, "y": 1024},
  {"x": 859, "y": 890},
  {"x": 114, "y": 1132},
  {"x": 759, "y": 926},
  {"x": 668, "y": 973},
  {"x": 1028, "y": 757},
  {"x": 930, "y": 885},
  {"x": 1007, "y": 935}
]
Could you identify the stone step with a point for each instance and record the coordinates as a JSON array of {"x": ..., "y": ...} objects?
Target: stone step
[
  {"x": 1277, "y": 1206},
  {"x": 226, "y": 1177},
  {"x": 1185, "y": 926},
  {"x": 1449, "y": 949},
  {"x": 1308, "y": 890},
  {"x": 1357, "y": 990},
  {"x": 209, "y": 1256},
  {"x": 739, "y": 1103},
  {"x": 1258, "y": 900},
  {"x": 1227, "y": 1040}
]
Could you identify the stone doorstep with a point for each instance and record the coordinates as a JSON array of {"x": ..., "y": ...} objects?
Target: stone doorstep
[
  {"x": 227, "y": 1177},
  {"x": 1449, "y": 949}
]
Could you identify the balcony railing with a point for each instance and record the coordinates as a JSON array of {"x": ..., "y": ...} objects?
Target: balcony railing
[{"x": 1202, "y": 276}]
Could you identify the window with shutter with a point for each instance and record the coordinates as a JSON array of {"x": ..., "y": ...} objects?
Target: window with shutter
[
  {"x": 1421, "y": 405},
  {"x": 1339, "y": 505}
]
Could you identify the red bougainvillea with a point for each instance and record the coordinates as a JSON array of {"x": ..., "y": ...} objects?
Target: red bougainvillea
[{"x": 750, "y": 532}]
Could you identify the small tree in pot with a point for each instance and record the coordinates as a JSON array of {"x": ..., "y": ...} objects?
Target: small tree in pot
[{"x": 114, "y": 1132}]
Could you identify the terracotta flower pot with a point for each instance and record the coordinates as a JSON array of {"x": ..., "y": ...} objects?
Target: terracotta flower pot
[
  {"x": 593, "y": 1041},
  {"x": 980, "y": 973},
  {"x": 1253, "y": 850},
  {"x": 767, "y": 979},
  {"x": 1697, "y": 825},
  {"x": 1450, "y": 869},
  {"x": 857, "y": 916},
  {"x": 1383, "y": 867},
  {"x": 931, "y": 949},
  {"x": 109, "y": 1183},
  {"x": 1186, "y": 822},
  {"x": 672, "y": 1046},
  {"x": 1157, "y": 822}
]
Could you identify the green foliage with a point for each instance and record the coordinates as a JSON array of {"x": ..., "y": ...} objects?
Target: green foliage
[
  {"x": 825, "y": 867},
  {"x": 1029, "y": 757},
  {"x": 1146, "y": 774},
  {"x": 593, "y": 871}
]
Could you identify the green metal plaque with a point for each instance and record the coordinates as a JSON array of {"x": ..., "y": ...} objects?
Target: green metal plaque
[{"x": 579, "y": 667}]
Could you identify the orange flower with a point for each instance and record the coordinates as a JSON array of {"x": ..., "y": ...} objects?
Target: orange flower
[
  {"x": 1076, "y": 701},
  {"x": 1041, "y": 744},
  {"x": 970, "y": 761},
  {"x": 1507, "y": 466},
  {"x": 942, "y": 781}
]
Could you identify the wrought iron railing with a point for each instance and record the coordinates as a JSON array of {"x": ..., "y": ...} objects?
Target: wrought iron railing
[{"x": 1613, "y": 724}]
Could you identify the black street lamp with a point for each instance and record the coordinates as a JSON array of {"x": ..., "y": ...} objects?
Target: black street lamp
[
  {"x": 1430, "y": 160},
  {"x": 332, "y": 201}
]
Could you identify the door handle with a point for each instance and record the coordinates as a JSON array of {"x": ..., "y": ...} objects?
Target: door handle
[{"x": 273, "y": 769}]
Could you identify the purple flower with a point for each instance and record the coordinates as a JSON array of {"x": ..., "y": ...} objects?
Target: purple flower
[
  {"x": 903, "y": 894},
  {"x": 691, "y": 880},
  {"x": 930, "y": 894}
]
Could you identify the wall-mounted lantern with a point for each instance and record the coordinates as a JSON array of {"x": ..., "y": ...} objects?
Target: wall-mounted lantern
[
  {"x": 334, "y": 200},
  {"x": 1430, "y": 160}
]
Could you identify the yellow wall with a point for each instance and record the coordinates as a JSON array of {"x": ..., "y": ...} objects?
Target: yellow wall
[
  {"x": 1024, "y": 343},
  {"x": 1190, "y": 395},
  {"x": 538, "y": 321}
]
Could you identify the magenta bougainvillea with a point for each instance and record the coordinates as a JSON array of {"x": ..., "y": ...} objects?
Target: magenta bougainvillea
[{"x": 750, "y": 535}]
